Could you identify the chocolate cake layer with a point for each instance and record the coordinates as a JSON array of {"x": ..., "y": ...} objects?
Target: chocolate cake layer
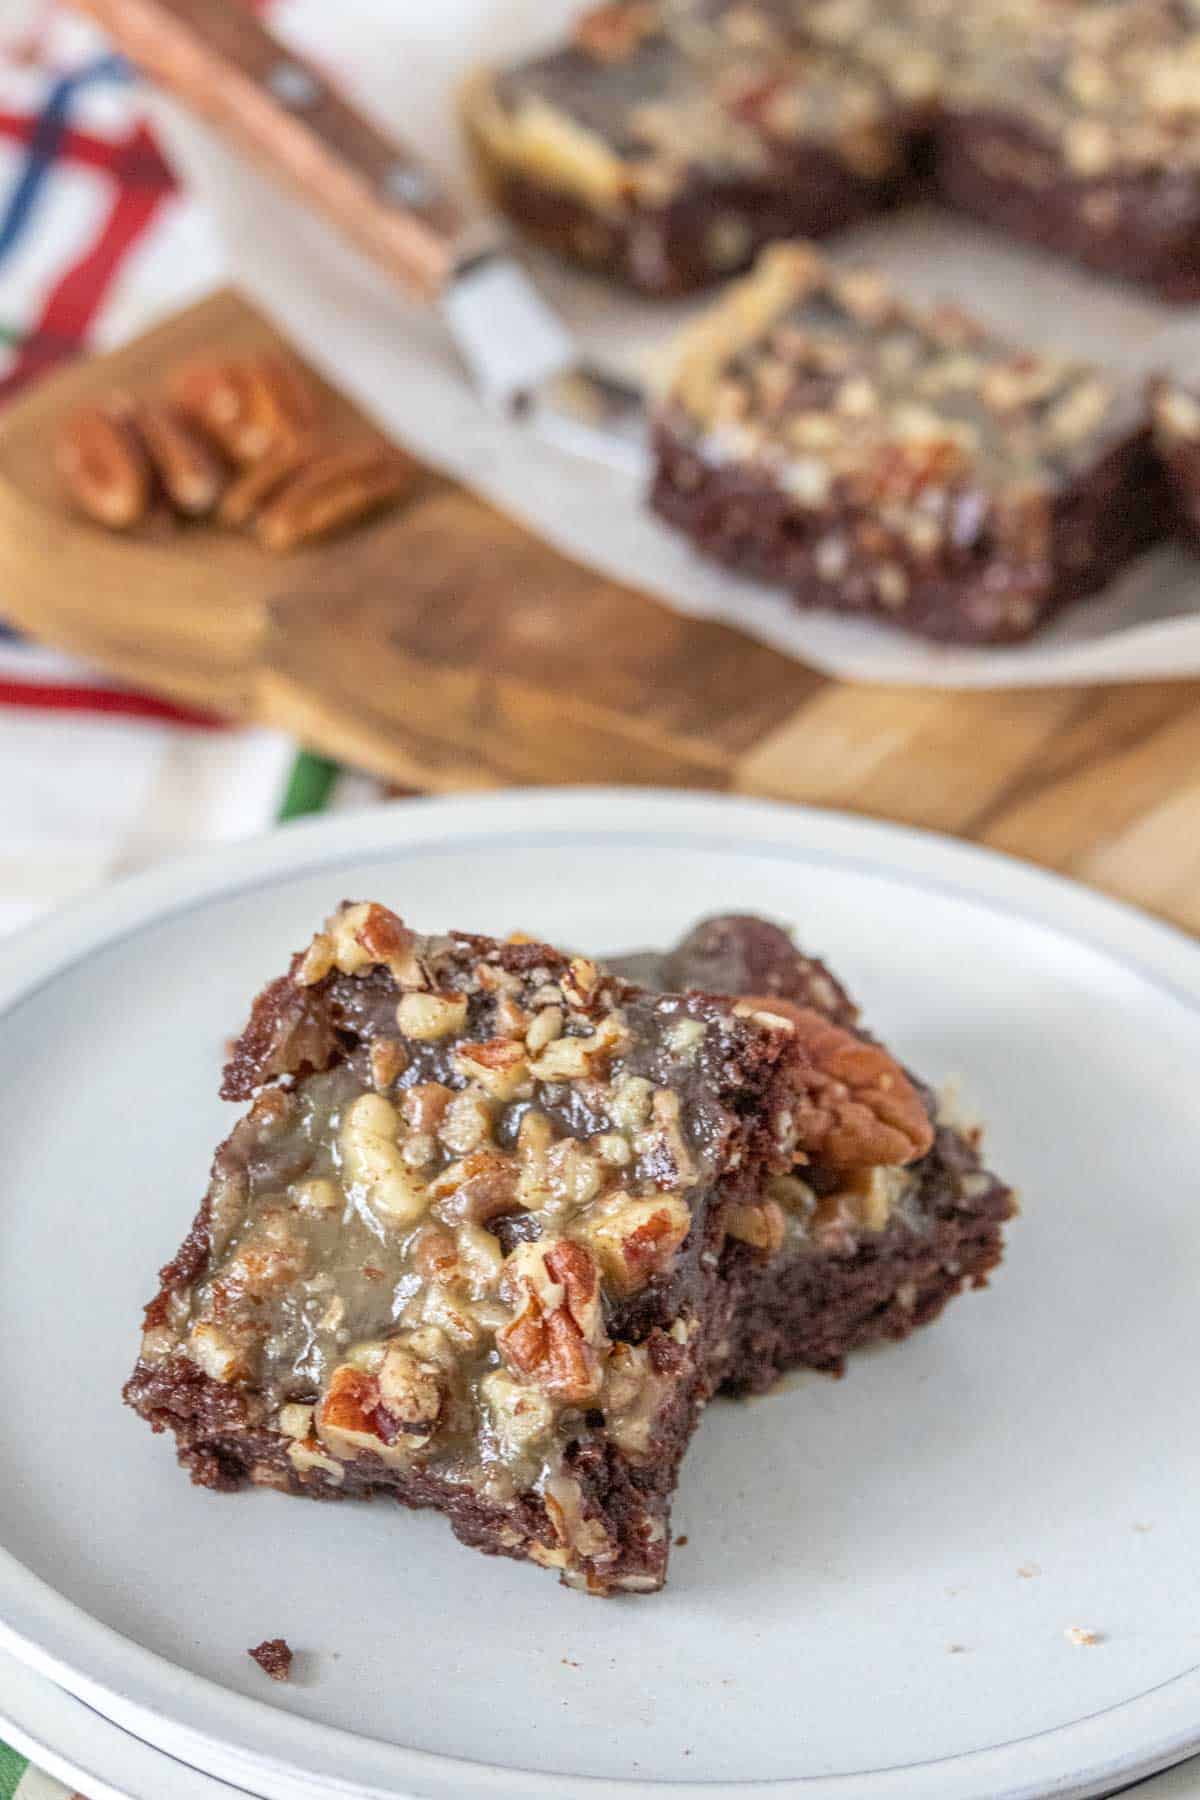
[{"x": 1175, "y": 418}]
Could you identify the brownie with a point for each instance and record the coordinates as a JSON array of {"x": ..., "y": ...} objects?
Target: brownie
[
  {"x": 479, "y": 1239},
  {"x": 667, "y": 143},
  {"x": 672, "y": 138},
  {"x": 863, "y": 1260},
  {"x": 1175, "y": 418},
  {"x": 499, "y": 1222},
  {"x": 1082, "y": 134},
  {"x": 882, "y": 459}
]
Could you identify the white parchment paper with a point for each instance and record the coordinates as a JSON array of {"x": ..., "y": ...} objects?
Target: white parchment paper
[{"x": 403, "y": 63}]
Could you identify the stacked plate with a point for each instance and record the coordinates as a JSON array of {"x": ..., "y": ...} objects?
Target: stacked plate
[{"x": 881, "y": 1580}]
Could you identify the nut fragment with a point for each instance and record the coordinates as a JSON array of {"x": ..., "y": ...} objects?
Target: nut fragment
[
  {"x": 636, "y": 1238},
  {"x": 612, "y": 32},
  {"x": 103, "y": 465},
  {"x": 854, "y": 1106},
  {"x": 480, "y": 1187},
  {"x": 388, "y": 1060},
  {"x": 761, "y": 1224},
  {"x": 191, "y": 475},
  {"x": 571, "y": 1058},
  {"x": 336, "y": 488},
  {"x": 371, "y": 1157},
  {"x": 411, "y": 1391},
  {"x": 427, "y": 1017},
  {"x": 520, "y": 1415},
  {"x": 295, "y": 1421},
  {"x": 556, "y": 1332},
  {"x": 352, "y": 1417},
  {"x": 356, "y": 938},
  {"x": 547, "y": 1025},
  {"x": 216, "y": 1352},
  {"x": 662, "y": 1145},
  {"x": 498, "y": 1066}
]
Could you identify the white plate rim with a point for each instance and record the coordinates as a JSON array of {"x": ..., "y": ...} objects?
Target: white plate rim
[
  {"x": 78, "y": 1746},
  {"x": 1132, "y": 1738}
]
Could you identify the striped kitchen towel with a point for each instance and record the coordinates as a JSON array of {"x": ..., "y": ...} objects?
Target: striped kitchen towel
[{"x": 96, "y": 241}]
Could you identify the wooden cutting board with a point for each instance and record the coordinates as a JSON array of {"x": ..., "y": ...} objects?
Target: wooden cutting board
[{"x": 443, "y": 647}]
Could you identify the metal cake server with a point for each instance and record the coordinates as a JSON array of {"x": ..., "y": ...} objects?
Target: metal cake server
[{"x": 224, "y": 65}]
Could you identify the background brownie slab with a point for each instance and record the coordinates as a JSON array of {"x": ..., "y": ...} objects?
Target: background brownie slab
[
  {"x": 668, "y": 143},
  {"x": 1082, "y": 133},
  {"x": 1175, "y": 416},
  {"x": 467, "y": 1245},
  {"x": 675, "y": 137},
  {"x": 881, "y": 459},
  {"x": 872, "y": 1260}
]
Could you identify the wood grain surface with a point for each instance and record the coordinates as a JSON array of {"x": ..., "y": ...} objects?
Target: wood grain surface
[{"x": 444, "y": 647}]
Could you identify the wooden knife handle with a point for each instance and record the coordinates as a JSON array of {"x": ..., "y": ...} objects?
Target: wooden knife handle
[{"x": 217, "y": 58}]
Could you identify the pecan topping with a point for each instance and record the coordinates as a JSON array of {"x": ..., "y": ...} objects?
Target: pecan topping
[
  {"x": 389, "y": 1411},
  {"x": 480, "y": 1187},
  {"x": 555, "y": 1336},
  {"x": 761, "y": 1224},
  {"x": 637, "y": 1238},
  {"x": 612, "y": 32},
  {"x": 855, "y": 1106}
]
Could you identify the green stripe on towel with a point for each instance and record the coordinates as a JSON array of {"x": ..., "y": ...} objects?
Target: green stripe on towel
[{"x": 309, "y": 786}]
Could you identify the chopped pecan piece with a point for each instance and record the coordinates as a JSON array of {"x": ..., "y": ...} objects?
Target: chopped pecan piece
[
  {"x": 557, "y": 1332},
  {"x": 612, "y": 32},
  {"x": 390, "y": 1411},
  {"x": 761, "y": 1224},
  {"x": 636, "y": 1238},
  {"x": 479, "y": 1187}
]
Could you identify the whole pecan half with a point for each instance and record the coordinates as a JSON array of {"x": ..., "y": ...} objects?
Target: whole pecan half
[
  {"x": 190, "y": 473},
  {"x": 855, "y": 1106},
  {"x": 249, "y": 405},
  {"x": 102, "y": 462},
  {"x": 334, "y": 489}
]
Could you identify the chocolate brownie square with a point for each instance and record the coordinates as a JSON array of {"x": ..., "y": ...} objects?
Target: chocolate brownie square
[
  {"x": 1078, "y": 128},
  {"x": 666, "y": 143},
  {"x": 883, "y": 459},
  {"x": 498, "y": 1223}
]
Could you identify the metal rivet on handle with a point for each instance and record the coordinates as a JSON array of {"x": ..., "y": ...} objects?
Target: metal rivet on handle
[
  {"x": 406, "y": 184},
  {"x": 293, "y": 85}
]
